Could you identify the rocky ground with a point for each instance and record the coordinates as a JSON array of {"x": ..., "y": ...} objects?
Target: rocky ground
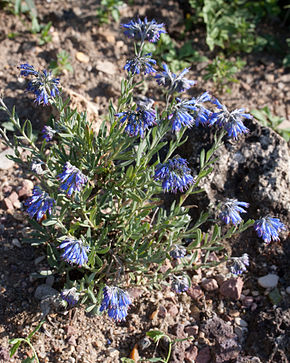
[{"x": 230, "y": 320}]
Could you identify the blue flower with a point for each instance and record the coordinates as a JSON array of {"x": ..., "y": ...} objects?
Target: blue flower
[
  {"x": 48, "y": 133},
  {"x": 138, "y": 121},
  {"x": 139, "y": 64},
  {"x": 116, "y": 301},
  {"x": 230, "y": 121},
  {"x": 230, "y": 211},
  {"x": 39, "y": 203},
  {"x": 144, "y": 30},
  {"x": 179, "y": 283},
  {"x": 71, "y": 296},
  {"x": 268, "y": 228},
  {"x": 74, "y": 251},
  {"x": 178, "y": 252},
  {"x": 174, "y": 83},
  {"x": 43, "y": 85},
  {"x": 239, "y": 264},
  {"x": 72, "y": 179},
  {"x": 202, "y": 113},
  {"x": 174, "y": 174}
]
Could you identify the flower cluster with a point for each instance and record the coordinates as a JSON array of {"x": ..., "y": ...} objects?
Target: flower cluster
[
  {"x": 138, "y": 121},
  {"x": 268, "y": 228},
  {"x": 239, "y": 264},
  {"x": 116, "y": 301},
  {"x": 180, "y": 283},
  {"x": 144, "y": 30},
  {"x": 43, "y": 84},
  {"x": 72, "y": 179},
  {"x": 231, "y": 209},
  {"x": 141, "y": 63},
  {"x": 48, "y": 133},
  {"x": 174, "y": 175},
  {"x": 173, "y": 82},
  {"x": 71, "y": 296},
  {"x": 178, "y": 252},
  {"x": 230, "y": 121},
  {"x": 39, "y": 203},
  {"x": 74, "y": 251}
]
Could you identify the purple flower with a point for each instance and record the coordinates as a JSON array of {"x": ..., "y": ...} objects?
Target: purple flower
[
  {"x": 180, "y": 283},
  {"x": 239, "y": 264},
  {"x": 72, "y": 179},
  {"x": 71, "y": 296},
  {"x": 116, "y": 301},
  {"x": 231, "y": 209},
  {"x": 268, "y": 228},
  {"x": 43, "y": 85},
  {"x": 48, "y": 133},
  {"x": 138, "y": 121},
  {"x": 139, "y": 64},
  {"x": 144, "y": 30},
  {"x": 178, "y": 252},
  {"x": 174, "y": 175},
  {"x": 39, "y": 203},
  {"x": 174, "y": 83},
  {"x": 74, "y": 251},
  {"x": 230, "y": 121}
]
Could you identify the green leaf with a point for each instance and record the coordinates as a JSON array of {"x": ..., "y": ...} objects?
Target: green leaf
[
  {"x": 156, "y": 335},
  {"x": 16, "y": 345}
]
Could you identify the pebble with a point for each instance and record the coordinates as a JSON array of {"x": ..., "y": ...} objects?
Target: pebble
[
  {"x": 255, "y": 293},
  {"x": 234, "y": 313},
  {"x": 209, "y": 284},
  {"x": 82, "y": 57},
  {"x": 15, "y": 242},
  {"x": 4, "y": 162},
  {"x": 191, "y": 329},
  {"x": 106, "y": 67},
  {"x": 232, "y": 288},
  {"x": 288, "y": 290},
  {"x": 268, "y": 281},
  {"x": 241, "y": 322}
]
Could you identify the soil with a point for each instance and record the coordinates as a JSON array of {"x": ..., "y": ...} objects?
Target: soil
[{"x": 98, "y": 55}]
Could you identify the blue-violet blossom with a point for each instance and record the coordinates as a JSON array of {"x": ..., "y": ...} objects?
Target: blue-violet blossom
[
  {"x": 178, "y": 252},
  {"x": 230, "y": 121},
  {"x": 74, "y": 251},
  {"x": 39, "y": 203},
  {"x": 43, "y": 84},
  {"x": 48, "y": 133},
  {"x": 144, "y": 30},
  {"x": 138, "y": 121},
  {"x": 174, "y": 83},
  {"x": 239, "y": 264},
  {"x": 180, "y": 283},
  {"x": 139, "y": 64},
  {"x": 231, "y": 209},
  {"x": 174, "y": 175},
  {"x": 71, "y": 296},
  {"x": 268, "y": 228},
  {"x": 72, "y": 179},
  {"x": 116, "y": 301}
]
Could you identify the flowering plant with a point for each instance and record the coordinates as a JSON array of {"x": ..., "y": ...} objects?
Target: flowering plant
[{"x": 99, "y": 207}]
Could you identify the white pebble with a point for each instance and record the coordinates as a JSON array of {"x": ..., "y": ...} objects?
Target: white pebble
[{"x": 268, "y": 281}]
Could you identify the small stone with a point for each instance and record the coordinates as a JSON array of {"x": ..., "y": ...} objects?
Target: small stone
[
  {"x": 255, "y": 293},
  {"x": 246, "y": 292},
  {"x": 191, "y": 354},
  {"x": 204, "y": 356},
  {"x": 15, "y": 242},
  {"x": 172, "y": 310},
  {"x": 135, "y": 292},
  {"x": 288, "y": 290},
  {"x": 50, "y": 280},
  {"x": 234, "y": 313},
  {"x": 4, "y": 162},
  {"x": 14, "y": 199},
  {"x": 191, "y": 330},
  {"x": 248, "y": 301},
  {"x": 254, "y": 307},
  {"x": 209, "y": 284},
  {"x": 268, "y": 281},
  {"x": 241, "y": 322},
  {"x": 27, "y": 186},
  {"x": 195, "y": 292},
  {"x": 43, "y": 291},
  {"x": 106, "y": 67},
  {"x": 82, "y": 57},
  {"x": 232, "y": 288},
  {"x": 8, "y": 205},
  {"x": 275, "y": 296}
]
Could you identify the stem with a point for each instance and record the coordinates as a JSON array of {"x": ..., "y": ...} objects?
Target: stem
[{"x": 169, "y": 351}]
